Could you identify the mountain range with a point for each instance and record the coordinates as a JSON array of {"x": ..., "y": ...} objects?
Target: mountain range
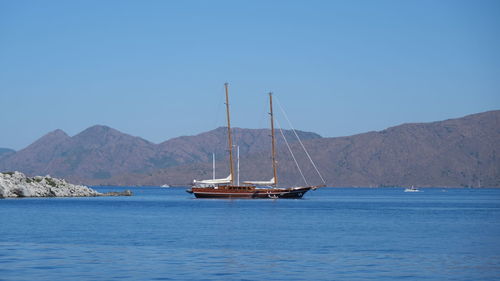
[{"x": 451, "y": 153}]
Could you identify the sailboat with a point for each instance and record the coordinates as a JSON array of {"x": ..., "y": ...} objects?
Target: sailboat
[
  {"x": 226, "y": 187},
  {"x": 412, "y": 189}
]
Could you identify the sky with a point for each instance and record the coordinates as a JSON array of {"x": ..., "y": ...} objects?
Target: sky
[{"x": 156, "y": 69}]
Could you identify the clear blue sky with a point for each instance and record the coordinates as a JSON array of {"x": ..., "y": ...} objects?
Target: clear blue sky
[{"x": 156, "y": 69}]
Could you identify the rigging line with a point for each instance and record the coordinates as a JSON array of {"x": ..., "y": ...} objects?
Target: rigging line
[
  {"x": 303, "y": 147},
  {"x": 291, "y": 152}
]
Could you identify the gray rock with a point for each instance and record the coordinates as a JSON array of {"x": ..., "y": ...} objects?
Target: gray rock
[
  {"x": 119, "y": 193},
  {"x": 16, "y": 184}
]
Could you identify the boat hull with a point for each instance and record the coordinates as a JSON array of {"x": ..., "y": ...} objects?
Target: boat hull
[{"x": 255, "y": 193}]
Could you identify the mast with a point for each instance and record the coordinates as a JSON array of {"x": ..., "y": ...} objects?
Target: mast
[
  {"x": 213, "y": 166},
  {"x": 238, "y": 164},
  {"x": 230, "y": 142},
  {"x": 272, "y": 139}
]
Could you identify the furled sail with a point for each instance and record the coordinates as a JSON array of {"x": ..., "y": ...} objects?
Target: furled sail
[
  {"x": 214, "y": 181},
  {"x": 270, "y": 182}
]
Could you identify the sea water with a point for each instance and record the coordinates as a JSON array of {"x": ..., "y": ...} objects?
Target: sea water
[{"x": 330, "y": 234}]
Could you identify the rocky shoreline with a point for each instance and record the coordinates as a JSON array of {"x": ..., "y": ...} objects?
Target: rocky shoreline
[{"x": 17, "y": 185}]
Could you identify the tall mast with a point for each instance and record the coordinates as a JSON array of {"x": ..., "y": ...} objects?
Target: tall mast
[
  {"x": 238, "y": 164},
  {"x": 213, "y": 166},
  {"x": 230, "y": 141},
  {"x": 272, "y": 139}
]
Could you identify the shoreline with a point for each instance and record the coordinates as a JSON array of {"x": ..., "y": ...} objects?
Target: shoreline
[{"x": 18, "y": 185}]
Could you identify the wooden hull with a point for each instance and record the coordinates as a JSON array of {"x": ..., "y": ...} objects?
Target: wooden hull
[{"x": 250, "y": 193}]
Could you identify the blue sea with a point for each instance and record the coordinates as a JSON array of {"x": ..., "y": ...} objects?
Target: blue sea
[{"x": 330, "y": 234}]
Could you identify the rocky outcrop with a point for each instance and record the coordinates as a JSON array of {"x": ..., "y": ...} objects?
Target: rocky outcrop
[
  {"x": 118, "y": 193},
  {"x": 16, "y": 184}
]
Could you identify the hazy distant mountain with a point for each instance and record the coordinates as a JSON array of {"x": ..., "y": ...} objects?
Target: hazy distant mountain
[
  {"x": 4, "y": 152},
  {"x": 456, "y": 152},
  {"x": 200, "y": 148},
  {"x": 99, "y": 154}
]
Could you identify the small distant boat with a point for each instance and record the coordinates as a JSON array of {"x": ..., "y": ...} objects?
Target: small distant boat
[
  {"x": 165, "y": 186},
  {"x": 412, "y": 189}
]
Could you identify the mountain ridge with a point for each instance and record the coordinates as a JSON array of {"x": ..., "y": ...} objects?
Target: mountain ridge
[
  {"x": 100, "y": 152},
  {"x": 454, "y": 152},
  {"x": 441, "y": 153}
]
